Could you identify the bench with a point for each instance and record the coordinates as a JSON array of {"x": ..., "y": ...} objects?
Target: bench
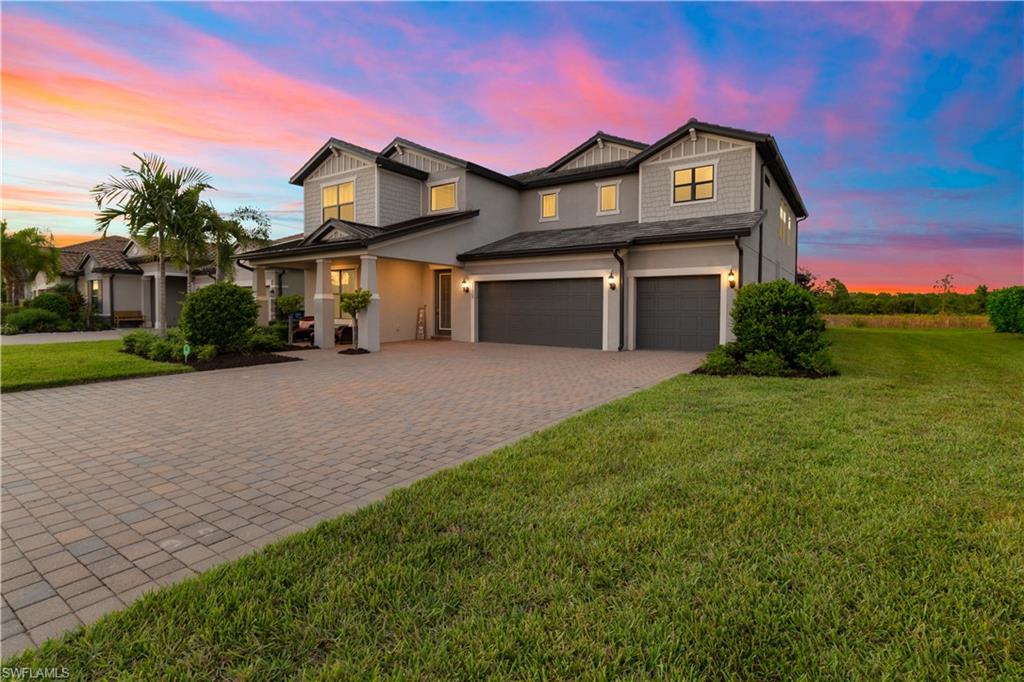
[{"x": 127, "y": 316}]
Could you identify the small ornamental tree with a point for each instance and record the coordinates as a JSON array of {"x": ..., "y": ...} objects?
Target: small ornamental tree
[
  {"x": 354, "y": 303},
  {"x": 1005, "y": 308},
  {"x": 288, "y": 306},
  {"x": 221, "y": 314}
]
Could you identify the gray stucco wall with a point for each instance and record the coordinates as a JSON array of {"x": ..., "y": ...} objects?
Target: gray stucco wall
[
  {"x": 779, "y": 255},
  {"x": 577, "y": 204},
  {"x": 127, "y": 292},
  {"x": 733, "y": 190},
  {"x": 459, "y": 175},
  {"x": 400, "y": 197}
]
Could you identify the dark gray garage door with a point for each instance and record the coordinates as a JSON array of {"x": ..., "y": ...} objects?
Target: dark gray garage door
[
  {"x": 544, "y": 312},
  {"x": 678, "y": 313}
]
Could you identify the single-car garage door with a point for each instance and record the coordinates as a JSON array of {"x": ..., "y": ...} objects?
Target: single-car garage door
[
  {"x": 544, "y": 312},
  {"x": 678, "y": 313}
]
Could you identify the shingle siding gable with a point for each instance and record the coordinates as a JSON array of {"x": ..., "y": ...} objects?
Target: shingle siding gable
[{"x": 733, "y": 185}]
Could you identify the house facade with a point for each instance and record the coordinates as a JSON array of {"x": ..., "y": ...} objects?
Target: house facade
[
  {"x": 117, "y": 274},
  {"x": 616, "y": 245}
]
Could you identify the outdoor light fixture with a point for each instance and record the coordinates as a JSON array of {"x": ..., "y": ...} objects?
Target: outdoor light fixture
[
  {"x": 611, "y": 281},
  {"x": 731, "y": 277},
  {"x": 465, "y": 285}
]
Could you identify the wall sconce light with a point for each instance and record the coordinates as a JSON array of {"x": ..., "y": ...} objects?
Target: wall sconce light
[
  {"x": 611, "y": 281},
  {"x": 465, "y": 286},
  {"x": 731, "y": 278}
]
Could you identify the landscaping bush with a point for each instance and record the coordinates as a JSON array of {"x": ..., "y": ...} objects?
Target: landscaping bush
[
  {"x": 206, "y": 352},
  {"x": 279, "y": 327},
  {"x": 130, "y": 342},
  {"x": 160, "y": 350},
  {"x": 264, "y": 339},
  {"x": 221, "y": 314},
  {"x": 765, "y": 363},
  {"x": 55, "y": 303},
  {"x": 720, "y": 362},
  {"x": 778, "y": 333},
  {"x": 1005, "y": 308},
  {"x": 7, "y": 309},
  {"x": 35, "y": 320}
]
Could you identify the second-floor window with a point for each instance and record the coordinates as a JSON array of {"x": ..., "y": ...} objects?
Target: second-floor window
[
  {"x": 785, "y": 225},
  {"x": 549, "y": 206},
  {"x": 339, "y": 201},
  {"x": 693, "y": 184},
  {"x": 608, "y": 198},
  {"x": 443, "y": 197}
]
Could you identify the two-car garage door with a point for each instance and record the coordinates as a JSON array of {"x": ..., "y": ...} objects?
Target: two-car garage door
[
  {"x": 673, "y": 313},
  {"x": 546, "y": 312}
]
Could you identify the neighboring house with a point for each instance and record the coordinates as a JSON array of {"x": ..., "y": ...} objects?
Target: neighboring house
[
  {"x": 617, "y": 244},
  {"x": 118, "y": 274}
]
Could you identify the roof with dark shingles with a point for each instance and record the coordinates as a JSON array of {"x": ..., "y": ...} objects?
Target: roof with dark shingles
[
  {"x": 111, "y": 243},
  {"x": 69, "y": 262},
  {"x": 112, "y": 261},
  {"x": 617, "y": 235},
  {"x": 542, "y": 174}
]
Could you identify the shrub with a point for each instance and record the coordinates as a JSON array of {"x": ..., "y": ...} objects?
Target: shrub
[
  {"x": 1005, "y": 308},
  {"x": 130, "y": 342},
  {"x": 280, "y": 328},
  {"x": 777, "y": 316},
  {"x": 35, "y": 320},
  {"x": 720, "y": 362},
  {"x": 765, "y": 363},
  {"x": 143, "y": 342},
  {"x": 54, "y": 302},
  {"x": 221, "y": 314},
  {"x": 264, "y": 339},
  {"x": 817, "y": 364},
  {"x": 7, "y": 309},
  {"x": 160, "y": 350},
  {"x": 205, "y": 352}
]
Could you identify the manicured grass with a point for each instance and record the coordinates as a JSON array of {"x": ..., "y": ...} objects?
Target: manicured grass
[
  {"x": 869, "y": 526},
  {"x": 57, "y": 364}
]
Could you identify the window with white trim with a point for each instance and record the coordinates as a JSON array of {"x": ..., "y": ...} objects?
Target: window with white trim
[
  {"x": 96, "y": 295},
  {"x": 443, "y": 197},
  {"x": 608, "y": 198},
  {"x": 693, "y": 184},
  {"x": 339, "y": 201},
  {"x": 549, "y": 206}
]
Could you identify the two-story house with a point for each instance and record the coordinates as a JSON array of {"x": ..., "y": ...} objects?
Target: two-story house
[{"x": 617, "y": 245}]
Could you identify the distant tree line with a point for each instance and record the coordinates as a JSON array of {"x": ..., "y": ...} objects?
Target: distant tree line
[{"x": 834, "y": 298}]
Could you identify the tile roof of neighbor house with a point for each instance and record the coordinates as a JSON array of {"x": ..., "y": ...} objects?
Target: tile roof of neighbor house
[
  {"x": 111, "y": 261},
  {"x": 335, "y": 233},
  {"x": 70, "y": 262},
  {"x": 111, "y": 243},
  {"x": 616, "y": 235}
]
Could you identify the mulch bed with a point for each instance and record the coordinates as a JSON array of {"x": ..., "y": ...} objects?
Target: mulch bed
[
  {"x": 298, "y": 346},
  {"x": 242, "y": 360},
  {"x": 353, "y": 351}
]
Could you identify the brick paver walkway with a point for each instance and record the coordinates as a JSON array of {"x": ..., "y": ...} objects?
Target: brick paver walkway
[{"x": 112, "y": 489}]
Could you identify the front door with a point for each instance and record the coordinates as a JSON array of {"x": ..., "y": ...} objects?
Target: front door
[{"x": 443, "y": 303}]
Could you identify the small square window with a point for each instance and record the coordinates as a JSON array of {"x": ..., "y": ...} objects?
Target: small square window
[
  {"x": 693, "y": 184},
  {"x": 442, "y": 197}
]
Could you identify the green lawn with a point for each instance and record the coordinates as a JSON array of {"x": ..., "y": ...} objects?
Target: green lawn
[
  {"x": 57, "y": 364},
  {"x": 869, "y": 526}
]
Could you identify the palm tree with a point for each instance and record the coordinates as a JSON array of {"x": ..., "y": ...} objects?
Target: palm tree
[
  {"x": 24, "y": 254},
  {"x": 189, "y": 248},
  {"x": 244, "y": 227},
  {"x": 154, "y": 201}
]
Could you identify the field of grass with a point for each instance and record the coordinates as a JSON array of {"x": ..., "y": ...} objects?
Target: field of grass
[
  {"x": 908, "y": 321},
  {"x": 58, "y": 364},
  {"x": 869, "y": 526}
]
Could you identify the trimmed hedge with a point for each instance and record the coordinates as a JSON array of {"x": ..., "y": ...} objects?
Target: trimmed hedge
[
  {"x": 1005, "y": 308},
  {"x": 778, "y": 333},
  {"x": 54, "y": 302},
  {"x": 35, "y": 320},
  {"x": 221, "y": 314}
]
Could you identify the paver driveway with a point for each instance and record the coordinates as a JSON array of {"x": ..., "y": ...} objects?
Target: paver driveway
[{"x": 112, "y": 489}]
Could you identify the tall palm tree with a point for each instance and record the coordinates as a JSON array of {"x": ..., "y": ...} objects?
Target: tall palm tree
[
  {"x": 23, "y": 255},
  {"x": 244, "y": 227},
  {"x": 189, "y": 248},
  {"x": 154, "y": 201}
]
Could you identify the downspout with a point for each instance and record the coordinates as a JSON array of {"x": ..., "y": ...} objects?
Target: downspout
[
  {"x": 739, "y": 270},
  {"x": 760, "y": 227},
  {"x": 112, "y": 276},
  {"x": 622, "y": 306}
]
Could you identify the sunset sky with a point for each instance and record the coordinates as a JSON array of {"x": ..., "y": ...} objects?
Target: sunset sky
[{"x": 903, "y": 124}]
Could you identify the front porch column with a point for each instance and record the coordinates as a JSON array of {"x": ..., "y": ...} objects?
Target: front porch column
[
  {"x": 147, "y": 309},
  {"x": 323, "y": 306},
  {"x": 369, "y": 319},
  {"x": 259, "y": 291}
]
